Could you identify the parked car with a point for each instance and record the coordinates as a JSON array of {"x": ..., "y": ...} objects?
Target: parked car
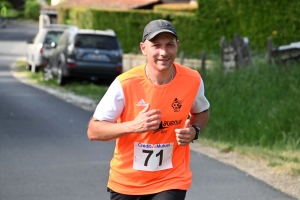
[
  {"x": 87, "y": 54},
  {"x": 39, "y": 49}
]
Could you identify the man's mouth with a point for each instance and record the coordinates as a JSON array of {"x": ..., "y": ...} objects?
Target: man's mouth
[{"x": 164, "y": 60}]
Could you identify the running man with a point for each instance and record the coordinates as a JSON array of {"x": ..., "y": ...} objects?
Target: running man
[{"x": 153, "y": 111}]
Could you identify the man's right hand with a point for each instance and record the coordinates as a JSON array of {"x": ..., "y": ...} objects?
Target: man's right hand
[{"x": 147, "y": 120}]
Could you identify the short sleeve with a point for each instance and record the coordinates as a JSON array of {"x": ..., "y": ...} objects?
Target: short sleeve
[
  {"x": 201, "y": 103},
  {"x": 112, "y": 104}
]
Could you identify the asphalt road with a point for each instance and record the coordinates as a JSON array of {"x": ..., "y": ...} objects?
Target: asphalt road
[{"x": 46, "y": 155}]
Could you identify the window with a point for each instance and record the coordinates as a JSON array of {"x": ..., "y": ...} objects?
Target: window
[
  {"x": 52, "y": 36},
  {"x": 96, "y": 41}
]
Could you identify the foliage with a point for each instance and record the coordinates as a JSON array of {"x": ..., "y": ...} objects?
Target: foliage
[
  {"x": 256, "y": 20},
  {"x": 129, "y": 25},
  {"x": 7, "y": 4},
  {"x": 11, "y": 12},
  {"x": 32, "y": 9}
]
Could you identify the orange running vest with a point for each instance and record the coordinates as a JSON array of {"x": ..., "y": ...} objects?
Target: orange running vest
[{"x": 174, "y": 100}]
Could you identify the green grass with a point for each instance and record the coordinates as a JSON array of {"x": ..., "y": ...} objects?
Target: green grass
[
  {"x": 83, "y": 88},
  {"x": 255, "y": 106},
  {"x": 255, "y": 111}
]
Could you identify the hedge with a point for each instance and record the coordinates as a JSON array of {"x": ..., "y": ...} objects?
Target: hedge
[
  {"x": 202, "y": 31},
  {"x": 32, "y": 9},
  {"x": 129, "y": 25},
  {"x": 257, "y": 20}
]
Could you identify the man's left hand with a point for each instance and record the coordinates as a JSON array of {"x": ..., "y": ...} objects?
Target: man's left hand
[{"x": 186, "y": 134}]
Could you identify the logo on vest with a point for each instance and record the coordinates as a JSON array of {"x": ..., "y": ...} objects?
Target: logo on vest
[
  {"x": 166, "y": 124},
  {"x": 176, "y": 105},
  {"x": 141, "y": 103}
]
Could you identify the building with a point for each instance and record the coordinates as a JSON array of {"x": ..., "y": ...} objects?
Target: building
[{"x": 49, "y": 13}]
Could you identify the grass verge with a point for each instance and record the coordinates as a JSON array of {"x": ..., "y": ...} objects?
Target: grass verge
[{"x": 83, "y": 88}]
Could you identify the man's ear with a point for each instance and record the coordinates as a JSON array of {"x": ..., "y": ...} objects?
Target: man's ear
[
  {"x": 143, "y": 48},
  {"x": 177, "y": 42}
]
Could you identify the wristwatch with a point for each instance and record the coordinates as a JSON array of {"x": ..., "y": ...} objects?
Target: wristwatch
[{"x": 197, "y": 128}]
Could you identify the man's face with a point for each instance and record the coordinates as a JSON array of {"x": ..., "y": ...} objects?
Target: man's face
[{"x": 160, "y": 51}]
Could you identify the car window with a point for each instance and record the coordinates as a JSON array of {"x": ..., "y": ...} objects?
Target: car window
[
  {"x": 96, "y": 41},
  {"x": 52, "y": 36}
]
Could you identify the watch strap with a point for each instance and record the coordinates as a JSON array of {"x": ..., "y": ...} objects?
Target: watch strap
[{"x": 197, "y": 129}]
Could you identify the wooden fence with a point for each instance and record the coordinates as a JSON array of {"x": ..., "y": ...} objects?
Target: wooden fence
[{"x": 235, "y": 54}]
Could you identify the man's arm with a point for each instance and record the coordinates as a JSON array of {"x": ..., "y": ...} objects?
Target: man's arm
[
  {"x": 105, "y": 131},
  {"x": 147, "y": 120},
  {"x": 200, "y": 119}
]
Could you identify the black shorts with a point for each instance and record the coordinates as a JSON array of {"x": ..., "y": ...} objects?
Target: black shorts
[{"x": 164, "y": 195}]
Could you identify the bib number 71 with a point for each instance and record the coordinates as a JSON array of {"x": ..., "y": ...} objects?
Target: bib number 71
[
  {"x": 152, "y": 157},
  {"x": 150, "y": 152}
]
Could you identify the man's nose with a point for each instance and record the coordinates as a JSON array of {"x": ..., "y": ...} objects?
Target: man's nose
[{"x": 163, "y": 50}]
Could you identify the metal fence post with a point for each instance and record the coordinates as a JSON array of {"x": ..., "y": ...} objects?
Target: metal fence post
[
  {"x": 203, "y": 63},
  {"x": 182, "y": 57}
]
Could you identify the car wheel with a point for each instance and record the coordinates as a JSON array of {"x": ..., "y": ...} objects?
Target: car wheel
[
  {"x": 47, "y": 73},
  {"x": 28, "y": 67},
  {"x": 61, "y": 79}
]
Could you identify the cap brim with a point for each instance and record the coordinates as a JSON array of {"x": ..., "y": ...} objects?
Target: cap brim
[{"x": 152, "y": 35}]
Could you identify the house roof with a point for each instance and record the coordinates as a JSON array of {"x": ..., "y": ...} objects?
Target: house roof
[{"x": 110, "y": 4}]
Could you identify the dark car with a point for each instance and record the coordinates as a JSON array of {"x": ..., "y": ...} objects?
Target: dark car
[
  {"x": 39, "y": 48},
  {"x": 88, "y": 54}
]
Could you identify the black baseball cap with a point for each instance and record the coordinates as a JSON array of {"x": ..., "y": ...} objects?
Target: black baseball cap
[{"x": 158, "y": 26}]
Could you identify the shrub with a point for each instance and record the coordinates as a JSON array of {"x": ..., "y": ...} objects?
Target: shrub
[
  {"x": 32, "y": 10},
  {"x": 7, "y": 4}
]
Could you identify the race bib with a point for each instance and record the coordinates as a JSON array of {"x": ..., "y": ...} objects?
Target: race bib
[{"x": 152, "y": 157}]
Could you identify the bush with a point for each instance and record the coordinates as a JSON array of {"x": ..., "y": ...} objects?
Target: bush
[
  {"x": 7, "y": 4},
  {"x": 32, "y": 10},
  {"x": 202, "y": 31},
  {"x": 11, "y": 12},
  {"x": 254, "y": 19},
  {"x": 129, "y": 25}
]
